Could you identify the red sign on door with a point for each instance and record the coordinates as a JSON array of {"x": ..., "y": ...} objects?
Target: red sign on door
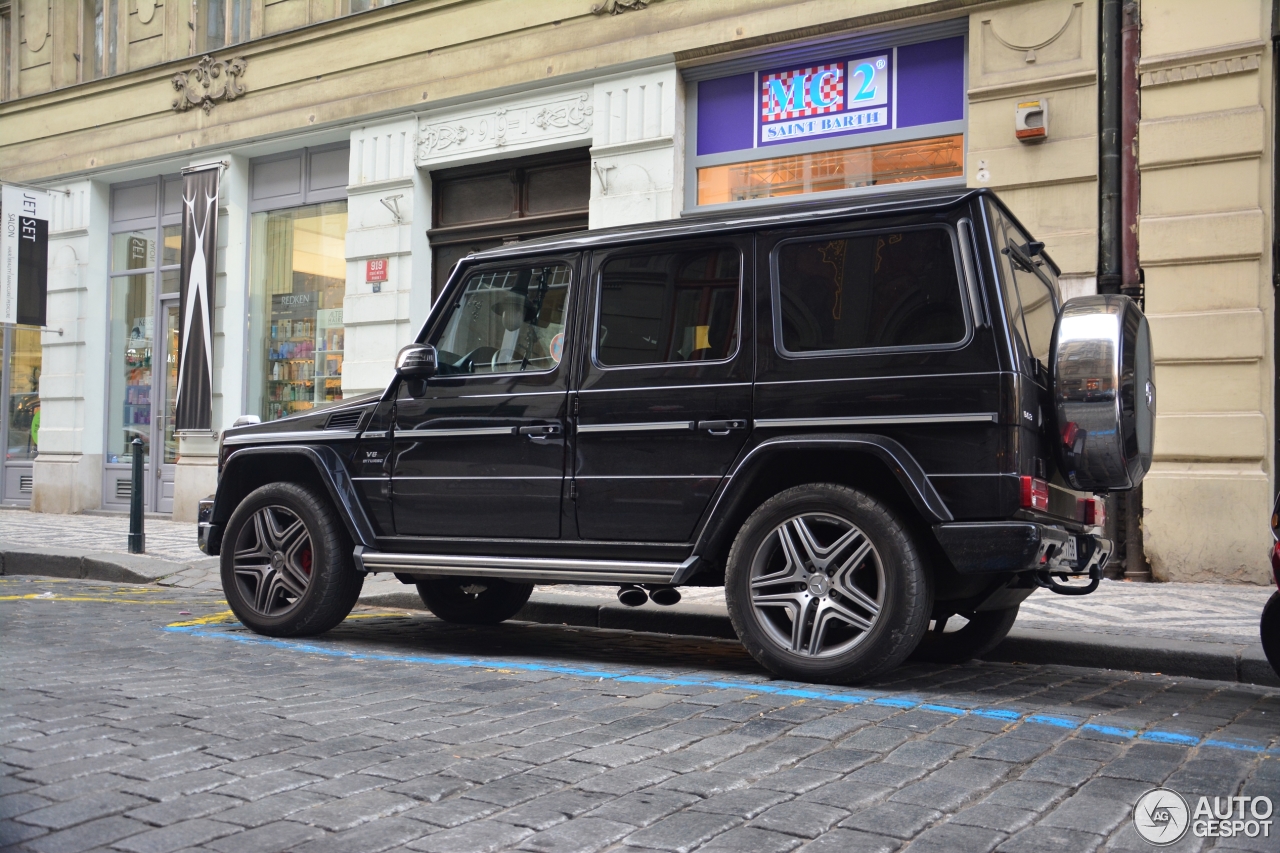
[{"x": 375, "y": 269}]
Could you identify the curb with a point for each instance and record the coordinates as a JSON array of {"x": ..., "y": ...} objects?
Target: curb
[
  {"x": 91, "y": 565},
  {"x": 1238, "y": 662}
]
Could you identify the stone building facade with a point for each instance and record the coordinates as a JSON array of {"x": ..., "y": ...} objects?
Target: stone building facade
[{"x": 366, "y": 145}]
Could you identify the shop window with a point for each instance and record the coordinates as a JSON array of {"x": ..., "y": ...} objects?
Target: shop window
[
  {"x": 297, "y": 283},
  {"x": 671, "y": 306},
  {"x": 871, "y": 166},
  {"x": 878, "y": 291},
  {"x": 24, "y": 392},
  {"x": 482, "y": 207}
]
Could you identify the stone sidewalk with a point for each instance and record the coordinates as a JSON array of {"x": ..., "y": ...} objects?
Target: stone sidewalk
[{"x": 1165, "y": 625}]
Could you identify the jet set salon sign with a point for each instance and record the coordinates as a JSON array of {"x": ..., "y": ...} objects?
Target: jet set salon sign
[{"x": 820, "y": 100}]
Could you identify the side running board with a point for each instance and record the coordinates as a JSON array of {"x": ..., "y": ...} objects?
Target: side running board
[{"x": 525, "y": 568}]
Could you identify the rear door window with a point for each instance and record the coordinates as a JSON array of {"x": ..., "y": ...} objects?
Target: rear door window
[
  {"x": 884, "y": 290},
  {"x": 669, "y": 306}
]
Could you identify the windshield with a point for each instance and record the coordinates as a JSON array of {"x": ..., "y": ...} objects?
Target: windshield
[{"x": 1029, "y": 283}]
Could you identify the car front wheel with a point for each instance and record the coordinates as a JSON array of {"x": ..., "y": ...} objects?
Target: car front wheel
[
  {"x": 825, "y": 584},
  {"x": 286, "y": 559}
]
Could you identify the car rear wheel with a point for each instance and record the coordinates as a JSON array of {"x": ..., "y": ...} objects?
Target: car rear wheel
[
  {"x": 824, "y": 583},
  {"x": 286, "y": 563},
  {"x": 1271, "y": 631},
  {"x": 980, "y": 633},
  {"x": 474, "y": 601}
]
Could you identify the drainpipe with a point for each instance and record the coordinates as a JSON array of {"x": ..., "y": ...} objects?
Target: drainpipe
[
  {"x": 1109, "y": 96},
  {"x": 1275, "y": 219},
  {"x": 1136, "y": 566}
]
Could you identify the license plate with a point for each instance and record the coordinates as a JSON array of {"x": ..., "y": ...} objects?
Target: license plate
[{"x": 1069, "y": 550}]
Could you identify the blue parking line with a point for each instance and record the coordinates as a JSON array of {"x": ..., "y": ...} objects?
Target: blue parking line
[{"x": 776, "y": 689}]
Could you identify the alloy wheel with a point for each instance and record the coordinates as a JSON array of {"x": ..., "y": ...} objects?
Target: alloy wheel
[
  {"x": 273, "y": 561},
  {"x": 817, "y": 585}
]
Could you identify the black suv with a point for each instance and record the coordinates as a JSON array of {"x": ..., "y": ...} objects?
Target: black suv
[{"x": 862, "y": 419}]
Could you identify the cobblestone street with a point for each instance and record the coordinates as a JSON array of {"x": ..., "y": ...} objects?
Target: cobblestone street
[{"x": 137, "y": 719}]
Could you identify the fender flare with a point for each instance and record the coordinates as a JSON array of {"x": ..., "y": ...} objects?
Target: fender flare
[
  {"x": 897, "y": 458},
  {"x": 329, "y": 467}
]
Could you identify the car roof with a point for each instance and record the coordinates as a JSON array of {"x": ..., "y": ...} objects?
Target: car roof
[{"x": 772, "y": 216}]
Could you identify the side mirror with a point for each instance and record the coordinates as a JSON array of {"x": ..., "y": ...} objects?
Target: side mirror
[{"x": 416, "y": 361}]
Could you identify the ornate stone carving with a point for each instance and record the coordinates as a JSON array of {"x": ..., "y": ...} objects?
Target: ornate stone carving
[
  {"x": 617, "y": 7},
  {"x": 516, "y": 124},
  {"x": 208, "y": 82}
]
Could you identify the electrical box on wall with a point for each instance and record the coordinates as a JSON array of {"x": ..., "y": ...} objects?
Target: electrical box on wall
[{"x": 1031, "y": 122}]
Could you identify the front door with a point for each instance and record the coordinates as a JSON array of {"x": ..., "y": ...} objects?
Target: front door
[
  {"x": 664, "y": 406},
  {"x": 481, "y": 453}
]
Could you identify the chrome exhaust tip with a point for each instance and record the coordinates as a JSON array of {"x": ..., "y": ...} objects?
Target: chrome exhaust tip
[
  {"x": 664, "y": 595},
  {"x": 632, "y": 596}
]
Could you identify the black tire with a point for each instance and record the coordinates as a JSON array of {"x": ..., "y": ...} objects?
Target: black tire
[
  {"x": 474, "y": 601},
  {"x": 891, "y": 576},
  {"x": 982, "y": 633},
  {"x": 278, "y": 584},
  {"x": 1270, "y": 630}
]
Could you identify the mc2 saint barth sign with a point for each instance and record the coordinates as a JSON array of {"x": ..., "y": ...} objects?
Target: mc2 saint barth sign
[
  {"x": 24, "y": 255},
  {"x": 194, "y": 398}
]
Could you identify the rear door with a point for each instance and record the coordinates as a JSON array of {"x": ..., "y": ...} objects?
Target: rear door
[
  {"x": 664, "y": 402},
  {"x": 481, "y": 453}
]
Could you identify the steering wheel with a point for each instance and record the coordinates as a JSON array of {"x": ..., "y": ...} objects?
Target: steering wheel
[
  {"x": 467, "y": 364},
  {"x": 501, "y": 358}
]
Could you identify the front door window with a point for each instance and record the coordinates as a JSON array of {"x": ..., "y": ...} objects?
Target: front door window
[{"x": 507, "y": 321}]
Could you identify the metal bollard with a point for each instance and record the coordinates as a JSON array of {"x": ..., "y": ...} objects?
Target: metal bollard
[{"x": 137, "y": 538}]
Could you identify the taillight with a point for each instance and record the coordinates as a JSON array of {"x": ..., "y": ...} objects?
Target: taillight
[
  {"x": 1035, "y": 494},
  {"x": 1093, "y": 512},
  {"x": 1275, "y": 563}
]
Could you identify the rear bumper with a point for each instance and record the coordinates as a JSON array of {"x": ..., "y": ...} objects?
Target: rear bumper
[
  {"x": 1019, "y": 546},
  {"x": 208, "y": 534}
]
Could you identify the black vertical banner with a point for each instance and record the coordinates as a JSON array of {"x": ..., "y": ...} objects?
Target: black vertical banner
[
  {"x": 194, "y": 398},
  {"x": 33, "y": 270}
]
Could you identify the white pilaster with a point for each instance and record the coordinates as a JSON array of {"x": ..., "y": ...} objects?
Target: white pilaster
[
  {"x": 637, "y": 159},
  {"x": 73, "y": 377},
  {"x": 384, "y": 198}
]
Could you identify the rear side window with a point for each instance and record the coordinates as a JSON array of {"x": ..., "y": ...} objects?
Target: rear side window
[
  {"x": 873, "y": 291},
  {"x": 1030, "y": 286},
  {"x": 669, "y": 306}
]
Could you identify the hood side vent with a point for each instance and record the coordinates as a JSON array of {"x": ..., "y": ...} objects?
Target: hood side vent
[{"x": 344, "y": 420}]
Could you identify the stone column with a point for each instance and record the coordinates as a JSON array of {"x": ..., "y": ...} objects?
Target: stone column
[{"x": 73, "y": 377}]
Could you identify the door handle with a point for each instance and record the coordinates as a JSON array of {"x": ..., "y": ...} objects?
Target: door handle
[
  {"x": 722, "y": 427},
  {"x": 540, "y": 432}
]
